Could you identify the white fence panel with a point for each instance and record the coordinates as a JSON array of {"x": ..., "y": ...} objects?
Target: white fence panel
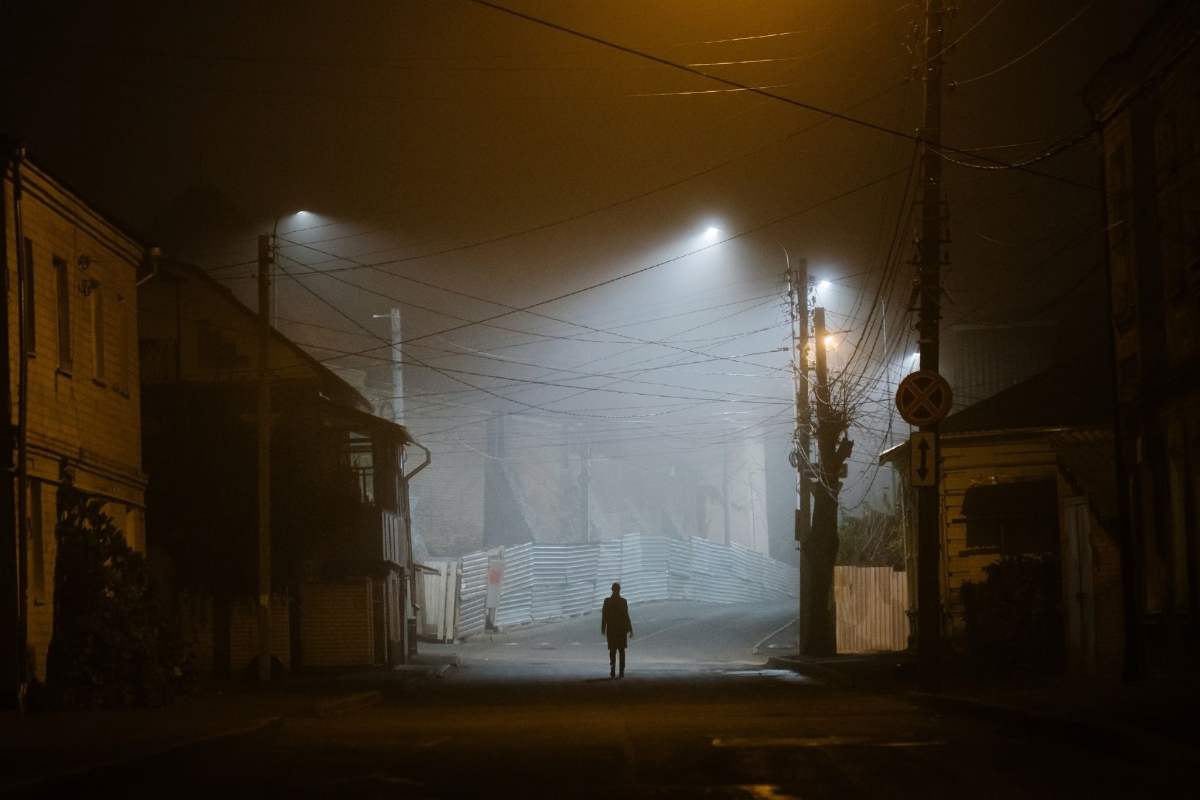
[{"x": 542, "y": 582}]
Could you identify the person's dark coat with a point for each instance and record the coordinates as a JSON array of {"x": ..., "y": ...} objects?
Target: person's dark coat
[{"x": 615, "y": 623}]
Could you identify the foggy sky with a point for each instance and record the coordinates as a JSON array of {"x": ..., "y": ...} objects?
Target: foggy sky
[{"x": 413, "y": 128}]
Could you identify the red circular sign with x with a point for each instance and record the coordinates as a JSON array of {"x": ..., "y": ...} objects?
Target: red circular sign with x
[{"x": 923, "y": 398}]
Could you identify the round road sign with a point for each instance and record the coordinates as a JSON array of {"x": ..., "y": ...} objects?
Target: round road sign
[{"x": 923, "y": 398}]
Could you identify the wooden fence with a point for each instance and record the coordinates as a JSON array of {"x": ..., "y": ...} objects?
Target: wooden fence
[{"x": 871, "y": 604}]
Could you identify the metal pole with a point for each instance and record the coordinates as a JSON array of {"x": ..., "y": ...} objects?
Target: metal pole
[
  {"x": 585, "y": 481},
  {"x": 929, "y": 600},
  {"x": 725, "y": 491},
  {"x": 397, "y": 368},
  {"x": 24, "y": 321},
  {"x": 265, "y": 261}
]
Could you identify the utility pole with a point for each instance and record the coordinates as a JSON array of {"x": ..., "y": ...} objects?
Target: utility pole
[
  {"x": 929, "y": 601},
  {"x": 585, "y": 487},
  {"x": 395, "y": 407},
  {"x": 802, "y": 432},
  {"x": 821, "y": 548},
  {"x": 266, "y": 258},
  {"x": 725, "y": 491}
]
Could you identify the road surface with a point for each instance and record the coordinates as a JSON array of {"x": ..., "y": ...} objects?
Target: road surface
[{"x": 532, "y": 713}]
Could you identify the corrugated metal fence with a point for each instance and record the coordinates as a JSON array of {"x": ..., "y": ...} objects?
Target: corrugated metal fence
[
  {"x": 871, "y": 604},
  {"x": 546, "y": 581}
]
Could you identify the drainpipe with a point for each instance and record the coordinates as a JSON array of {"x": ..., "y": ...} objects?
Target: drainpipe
[
  {"x": 11, "y": 677},
  {"x": 410, "y": 565},
  {"x": 22, "y": 439},
  {"x": 151, "y": 259}
]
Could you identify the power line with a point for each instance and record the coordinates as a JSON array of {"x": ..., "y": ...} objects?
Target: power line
[
  {"x": 751, "y": 89},
  {"x": 1027, "y": 53}
]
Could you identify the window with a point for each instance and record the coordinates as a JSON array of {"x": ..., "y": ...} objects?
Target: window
[
  {"x": 29, "y": 315},
  {"x": 62, "y": 272},
  {"x": 1012, "y": 518},
  {"x": 359, "y": 456},
  {"x": 98, "y": 332},
  {"x": 125, "y": 376},
  {"x": 37, "y": 545}
]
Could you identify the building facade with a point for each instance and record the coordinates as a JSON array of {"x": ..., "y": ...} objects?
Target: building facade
[
  {"x": 1029, "y": 472},
  {"x": 342, "y": 566},
  {"x": 71, "y": 403},
  {"x": 1147, "y": 108}
]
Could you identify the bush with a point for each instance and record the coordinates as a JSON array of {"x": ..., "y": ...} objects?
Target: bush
[
  {"x": 108, "y": 645},
  {"x": 1014, "y": 618},
  {"x": 870, "y": 540}
]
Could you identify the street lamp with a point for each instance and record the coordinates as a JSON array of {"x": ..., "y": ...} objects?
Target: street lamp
[{"x": 712, "y": 233}]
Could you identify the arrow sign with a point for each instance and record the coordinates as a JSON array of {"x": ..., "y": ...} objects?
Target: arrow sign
[{"x": 922, "y": 459}]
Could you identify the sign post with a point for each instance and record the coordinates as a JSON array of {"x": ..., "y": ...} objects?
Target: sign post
[{"x": 923, "y": 399}]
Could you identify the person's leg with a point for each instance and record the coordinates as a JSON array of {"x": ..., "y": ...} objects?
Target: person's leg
[
  {"x": 612, "y": 661},
  {"x": 622, "y": 673}
]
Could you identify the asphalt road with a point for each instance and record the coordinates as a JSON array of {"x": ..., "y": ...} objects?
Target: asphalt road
[{"x": 532, "y": 713}]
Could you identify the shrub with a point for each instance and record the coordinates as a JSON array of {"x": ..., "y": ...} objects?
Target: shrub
[
  {"x": 1014, "y": 617},
  {"x": 107, "y": 647}
]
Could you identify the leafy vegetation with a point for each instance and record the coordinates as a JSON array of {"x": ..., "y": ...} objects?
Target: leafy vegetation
[
  {"x": 109, "y": 645},
  {"x": 1014, "y": 617}
]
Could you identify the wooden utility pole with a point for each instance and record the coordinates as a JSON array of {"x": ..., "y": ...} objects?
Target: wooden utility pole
[
  {"x": 266, "y": 258},
  {"x": 802, "y": 432},
  {"x": 821, "y": 548},
  {"x": 929, "y": 601}
]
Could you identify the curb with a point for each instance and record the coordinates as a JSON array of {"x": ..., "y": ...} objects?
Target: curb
[
  {"x": 1099, "y": 735},
  {"x": 346, "y": 704},
  {"x": 67, "y": 775},
  {"x": 812, "y": 669},
  {"x": 757, "y": 649}
]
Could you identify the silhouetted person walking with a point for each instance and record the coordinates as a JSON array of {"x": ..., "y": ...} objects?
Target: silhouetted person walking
[{"x": 615, "y": 625}]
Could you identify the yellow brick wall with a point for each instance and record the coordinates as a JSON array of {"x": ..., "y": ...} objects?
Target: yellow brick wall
[
  {"x": 92, "y": 422},
  {"x": 198, "y": 627},
  {"x": 335, "y": 623},
  {"x": 243, "y": 638}
]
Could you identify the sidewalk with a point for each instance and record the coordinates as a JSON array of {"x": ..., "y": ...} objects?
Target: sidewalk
[
  {"x": 39, "y": 747},
  {"x": 1156, "y": 719}
]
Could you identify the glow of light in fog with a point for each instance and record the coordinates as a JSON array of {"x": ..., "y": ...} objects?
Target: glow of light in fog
[
  {"x": 823, "y": 284},
  {"x": 712, "y": 233},
  {"x": 830, "y": 342}
]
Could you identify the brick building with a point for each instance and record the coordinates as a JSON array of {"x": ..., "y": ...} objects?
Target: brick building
[
  {"x": 1146, "y": 104},
  {"x": 70, "y": 325}
]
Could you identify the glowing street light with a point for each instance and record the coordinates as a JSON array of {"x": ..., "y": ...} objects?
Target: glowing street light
[
  {"x": 823, "y": 284},
  {"x": 712, "y": 233}
]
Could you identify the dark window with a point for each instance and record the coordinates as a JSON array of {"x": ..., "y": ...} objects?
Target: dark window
[
  {"x": 359, "y": 456},
  {"x": 126, "y": 345},
  {"x": 1012, "y": 518},
  {"x": 98, "y": 333},
  {"x": 62, "y": 272},
  {"x": 37, "y": 544},
  {"x": 29, "y": 318}
]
